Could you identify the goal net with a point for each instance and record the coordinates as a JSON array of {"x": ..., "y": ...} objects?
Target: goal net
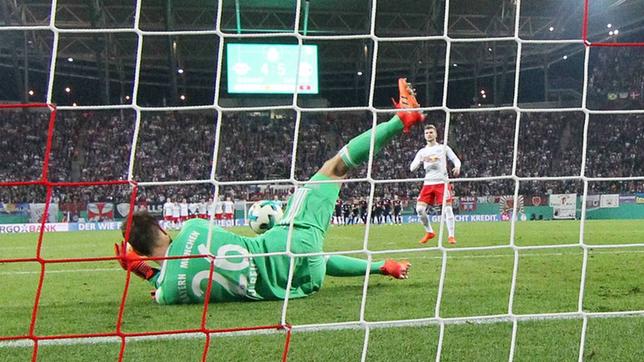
[{"x": 138, "y": 105}]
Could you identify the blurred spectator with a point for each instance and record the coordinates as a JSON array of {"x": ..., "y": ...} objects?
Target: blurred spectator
[{"x": 616, "y": 78}]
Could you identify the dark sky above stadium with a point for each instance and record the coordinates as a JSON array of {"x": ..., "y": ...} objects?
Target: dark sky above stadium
[{"x": 181, "y": 69}]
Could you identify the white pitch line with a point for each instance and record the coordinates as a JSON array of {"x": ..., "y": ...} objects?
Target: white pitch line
[
  {"x": 312, "y": 328},
  {"x": 48, "y": 247},
  {"x": 511, "y": 255},
  {"x": 455, "y": 256},
  {"x": 60, "y": 271}
]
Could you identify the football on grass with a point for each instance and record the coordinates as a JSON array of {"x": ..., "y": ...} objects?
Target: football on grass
[{"x": 263, "y": 215}]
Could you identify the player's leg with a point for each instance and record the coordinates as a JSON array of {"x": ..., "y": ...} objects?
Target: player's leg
[
  {"x": 450, "y": 221},
  {"x": 344, "y": 266},
  {"x": 356, "y": 151},
  {"x": 424, "y": 199},
  {"x": 312, "y": 206}
]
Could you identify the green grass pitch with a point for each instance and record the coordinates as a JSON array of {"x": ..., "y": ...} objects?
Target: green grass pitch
[{"x": 85, "y": 298}]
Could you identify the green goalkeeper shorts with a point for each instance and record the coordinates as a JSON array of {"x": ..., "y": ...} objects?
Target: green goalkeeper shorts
[{"x": 310, "y": 209}]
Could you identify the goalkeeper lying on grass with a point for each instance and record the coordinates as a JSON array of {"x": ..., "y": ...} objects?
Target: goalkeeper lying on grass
[{"x": 240, "y": 277}]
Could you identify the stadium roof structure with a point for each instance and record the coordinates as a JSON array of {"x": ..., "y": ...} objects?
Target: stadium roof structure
[{"x": 110, "y": 57}]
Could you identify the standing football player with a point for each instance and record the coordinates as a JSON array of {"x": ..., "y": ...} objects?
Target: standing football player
[
  {"x": 183, "y": 211},
  {"x": 202, "y": 209},
  {"x": 397, "y": 210},
  {"x": 346, "y": 213},
  {"x": 355, "y": 211},
  {"x": 378, "y": 211},
  {"x": 186, "y": 268},
  {"x": 193, "y": 208},
  {"x": 168, "y": 207},
  {"x": 218, "y": 210},
  {"x": 176, "y": 215},
  {"x": 386, "y": 210},
  {"x": 435, "y": 188},
  {"x": 212, "y": 205},
  {"x": 229, "y": 212},
  {"x": 337, "y": 215}
]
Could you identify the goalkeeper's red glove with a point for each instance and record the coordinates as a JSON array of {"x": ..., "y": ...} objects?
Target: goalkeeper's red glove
[{"x": 130, "y": 260}]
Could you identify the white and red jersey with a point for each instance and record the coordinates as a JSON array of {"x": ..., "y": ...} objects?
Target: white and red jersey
[
  {"x": 434, "y": 162},
  {"x": 168, "y": 206},
  {"x": 229, "y": 208},
  {"x": 211, "y": 207},
  {"x": 183, "y": 209},
  {"x": 202, "y": 209},
  {"x": 176, "y": 211},
  {"x": 192, "y": 209},
  {"x": 219, "y": 207}
]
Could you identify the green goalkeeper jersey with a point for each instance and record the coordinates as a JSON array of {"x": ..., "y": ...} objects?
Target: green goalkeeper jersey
[
  {"x": 237, "y": 277},
  {"x": 240, "y": 276}
]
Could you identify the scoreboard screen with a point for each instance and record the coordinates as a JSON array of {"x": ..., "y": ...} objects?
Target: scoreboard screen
[{"x": 271, "y": 68}]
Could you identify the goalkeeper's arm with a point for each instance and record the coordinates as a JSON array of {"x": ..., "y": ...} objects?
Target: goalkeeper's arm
[{"x": 128, "y": 259}]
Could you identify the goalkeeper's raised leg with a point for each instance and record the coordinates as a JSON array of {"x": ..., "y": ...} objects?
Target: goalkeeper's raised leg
[{"x": 311, "y": 208}]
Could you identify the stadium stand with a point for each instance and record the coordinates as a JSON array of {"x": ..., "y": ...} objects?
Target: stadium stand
[{"x": 90, "y": 146}]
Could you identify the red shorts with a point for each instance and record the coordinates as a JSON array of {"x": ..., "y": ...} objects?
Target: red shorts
[
  {"x": 228, "y": 216},
  {"x": 168, "y": 218},
  {"x": 433, "y": 194},
  {"x": 219, "y": 216},
  {"x": 203, "y": 216}
]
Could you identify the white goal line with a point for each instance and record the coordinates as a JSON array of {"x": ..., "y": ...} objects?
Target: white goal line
[
  {"x": 415, "y": 257},
  {"x": 352, "y": 325}
]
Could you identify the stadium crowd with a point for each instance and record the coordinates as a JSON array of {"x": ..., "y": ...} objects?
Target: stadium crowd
[
  {"x": 178, "y": 146},
  {"x": 616, "y": 80}
]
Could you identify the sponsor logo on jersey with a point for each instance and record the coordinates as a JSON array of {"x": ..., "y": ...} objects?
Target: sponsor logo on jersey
[{"x": 252, "y": 280}]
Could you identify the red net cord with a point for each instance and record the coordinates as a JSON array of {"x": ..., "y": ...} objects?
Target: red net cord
[{"x": 584, "y": 33}]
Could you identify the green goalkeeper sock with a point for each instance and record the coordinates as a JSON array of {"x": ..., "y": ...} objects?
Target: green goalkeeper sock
[
  {"x": 357, "y": 151},
  {"x": 345, "y": 266}
]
